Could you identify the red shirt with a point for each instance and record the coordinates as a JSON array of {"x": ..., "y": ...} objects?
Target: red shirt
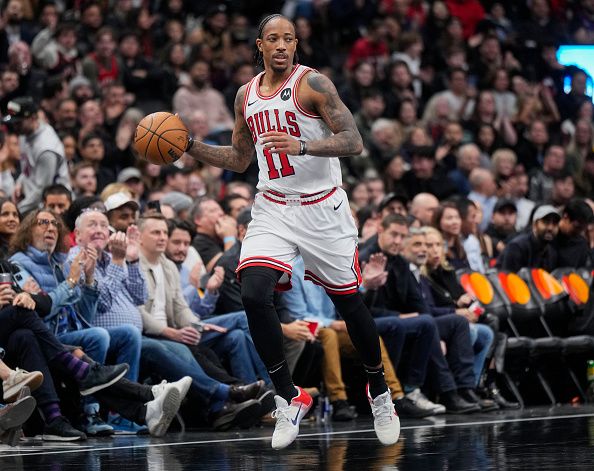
[
  {"x": 469, "y": 12},
  {"x": 365, "y": 49}
]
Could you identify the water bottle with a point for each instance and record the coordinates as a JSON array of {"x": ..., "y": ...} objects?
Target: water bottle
[{"x": 590, "y": 381}]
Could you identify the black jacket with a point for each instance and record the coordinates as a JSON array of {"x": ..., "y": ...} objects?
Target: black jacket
[
  {"x": 526, "y": 251},
  {"x": 572, "y": 251}
]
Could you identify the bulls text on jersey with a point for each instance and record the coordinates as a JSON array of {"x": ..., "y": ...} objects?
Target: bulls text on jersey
[{"x": 273, "y": 120}]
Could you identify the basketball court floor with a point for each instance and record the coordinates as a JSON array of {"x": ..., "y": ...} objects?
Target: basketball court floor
[{"x": 560, "y": 438}]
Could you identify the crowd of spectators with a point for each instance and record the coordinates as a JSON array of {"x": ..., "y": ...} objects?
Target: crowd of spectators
[{"x": 478, "y": 153}]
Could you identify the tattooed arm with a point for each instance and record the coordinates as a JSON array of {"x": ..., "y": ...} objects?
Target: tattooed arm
[
  {"x": 319, "y": 94},
  {"x": 238, "y": 155}
]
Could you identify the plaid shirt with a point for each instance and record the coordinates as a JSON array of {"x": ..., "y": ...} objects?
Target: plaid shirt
[{"x": 121, "y": 290}]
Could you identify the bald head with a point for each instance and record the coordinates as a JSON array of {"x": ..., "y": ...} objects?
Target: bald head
[
  {"x": 482, "y": 181},
  {"x": 423, "y": 207}
]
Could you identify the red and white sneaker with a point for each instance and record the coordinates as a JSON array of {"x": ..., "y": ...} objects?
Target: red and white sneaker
[
  {"x": 288, "y": 417},
  {"x": 385, "y": 420}
]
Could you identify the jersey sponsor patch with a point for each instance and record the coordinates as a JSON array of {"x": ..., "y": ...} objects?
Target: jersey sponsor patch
[{"x": 285, "y": 94}]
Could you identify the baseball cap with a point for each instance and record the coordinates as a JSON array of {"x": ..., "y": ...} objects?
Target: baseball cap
[
  {"x": 128, "y": 173},
  {"x": 544, "y": 211},
  {"x": 393, "y": 197},
  {"x": 505, "y": 203},
  {"x": 177, "y": 200},
  {"x": 117, "y": 200},
  {"x": 19, "y": 109}
]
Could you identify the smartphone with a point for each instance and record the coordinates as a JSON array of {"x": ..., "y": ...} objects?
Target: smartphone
[{"x": 154, "y": 206}]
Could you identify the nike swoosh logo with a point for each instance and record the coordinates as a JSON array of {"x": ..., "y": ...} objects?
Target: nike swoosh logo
[
  {"x": 294, "y": 421},
  {"x": 336, "y": 207},
  {"x": 250, "y": 104}
]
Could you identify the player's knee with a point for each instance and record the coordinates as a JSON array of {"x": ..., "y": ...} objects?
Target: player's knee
[{"x": 257, "y": 286}]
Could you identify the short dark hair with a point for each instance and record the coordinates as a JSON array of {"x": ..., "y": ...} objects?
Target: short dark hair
[
  {"x": 89, "y": 137},
  {"x": 173, "y": 224},
  {"x": 226, "y": 202},
  {"x": 578, "y": 210},
  {"x": 563, "y": 175},
  {"x": 261, "y": 26},
  {"x": 394, "y": 219},
  {"x": 56, "y": 189}
]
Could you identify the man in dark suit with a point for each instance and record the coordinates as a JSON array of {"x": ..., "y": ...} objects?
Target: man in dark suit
[{"x": 401, "y": 295}]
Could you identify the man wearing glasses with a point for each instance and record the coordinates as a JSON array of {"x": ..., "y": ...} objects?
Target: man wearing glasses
[{"x": 40, "y": 247}]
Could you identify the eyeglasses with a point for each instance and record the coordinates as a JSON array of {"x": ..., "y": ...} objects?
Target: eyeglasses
[{"x": 46, "y": 223}]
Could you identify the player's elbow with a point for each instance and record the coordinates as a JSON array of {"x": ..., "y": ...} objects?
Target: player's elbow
[
  {"x": 357, "y": 146},
  {"x": 242, "y": 165}
]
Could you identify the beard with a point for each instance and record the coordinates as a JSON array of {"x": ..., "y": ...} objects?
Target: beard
[{"x": 199, "y": 83}]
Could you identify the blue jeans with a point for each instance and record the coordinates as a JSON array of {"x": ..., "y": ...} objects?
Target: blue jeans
[
  {"x": 120, "y": 343},
  {"x": 125, "y": 346},
  {"x": 173, "y": 361},
  {"x": 237, "y": 345},
  {"x": 481, "y": 338}
]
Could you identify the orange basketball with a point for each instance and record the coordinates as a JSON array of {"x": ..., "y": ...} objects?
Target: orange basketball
[{"x": 161, "y": 138}]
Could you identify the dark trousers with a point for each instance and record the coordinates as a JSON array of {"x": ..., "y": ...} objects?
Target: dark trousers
[
  {"x": 30, "y": 345},
  {"x": 127, "y": 399},
  {"x": 12, "y": 318},
  {"x": 454, "y": 331},
  {"x": 211, "y": 364}
]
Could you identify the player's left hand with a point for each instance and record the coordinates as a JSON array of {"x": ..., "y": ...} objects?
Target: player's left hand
[{"x": 280, "y": 142}]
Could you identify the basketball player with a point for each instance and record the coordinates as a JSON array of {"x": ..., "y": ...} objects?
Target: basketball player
[{"x": 299, "y": 127}]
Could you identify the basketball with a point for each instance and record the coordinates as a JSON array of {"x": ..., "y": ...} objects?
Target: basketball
[{"x": 161, "y": 138}]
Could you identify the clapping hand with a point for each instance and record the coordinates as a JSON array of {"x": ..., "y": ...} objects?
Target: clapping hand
[
  {"x": 216, "y": 280},
  {"x": 374, "y": 271}
]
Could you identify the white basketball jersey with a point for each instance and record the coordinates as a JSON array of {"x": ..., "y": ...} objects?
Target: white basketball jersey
[{"x": 288, "y": 174}]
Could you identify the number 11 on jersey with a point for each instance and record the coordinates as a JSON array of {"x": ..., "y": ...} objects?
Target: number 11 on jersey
[{"x": 286, "y": 169}]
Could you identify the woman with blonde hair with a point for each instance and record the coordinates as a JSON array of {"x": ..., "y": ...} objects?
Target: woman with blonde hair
[{"x": 487, "y": 341}]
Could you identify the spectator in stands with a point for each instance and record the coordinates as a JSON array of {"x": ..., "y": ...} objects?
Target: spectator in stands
[
  {"x": 563, "y": 189},
  {"x": 362, "y": 78},
  {"x": 425, "y": 177},
  {"x": 532, "y": 146},
  {"x": 503, "y": 225},
  {"x": 519, "y": 189},
  {"x": 216, "y": 232},
  {"x": 503, "y": 163},
  {"x": 84, "y": 179},
  {"x": 57, "y": 197},
  {"x": 570, "y": 243},
  {"x": 103, "y": 66},
  {"x": 423, "y": 207},
  {"x": 372, "y": 108},
  {"x": 233, "y": 204},
  {"x": 38, "y": 249},
  {"x": 173, "y": 179},
  {"x": 541, "y": 179},
  {"x": 132, "y": 178},
  {"x": 10, "y": 219},
  {"x": 372, "y": 47},
  {"x": 201, "y": 95},
  {"x": 534, "y": 249},
  {"x": 448, "y": 221},
  {"x": 459, "y": 98},
  {"x": 580, "y": 145},
  {"x": 168, "y": 330},
  {"x": 42, "y": 161},
  {"x": 121, "y": 211},
  {"x": 400, "y": 294},
  {"x": 414, "y": 250},
  {"x": 477, "y": 246},
  {"x": 54, "y": 50},
  {"x": 310, "y": 303},
  {"x": 468, "y": 158},
  {"x": 484, "y": 189},
  {"x": 92, "y": 150}
]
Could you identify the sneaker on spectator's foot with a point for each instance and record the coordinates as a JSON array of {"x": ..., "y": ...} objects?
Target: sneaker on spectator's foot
[
  {"x": 385, "y": 420},
  {"x": 288, "y": 417},
  {"x": 17, "y": 379},
  {"x": 342, "y": 411},
  {"x": 16, "y": 414},
  {"x": 419, "y": 400},
  {"x": 122, "y": 426},
  {"x": 100, "y": 377},
  {"x": 407, "y": 409},
  {"x": 92, "y": 423},
  {"x": 60, "y": 430},
  {"x": 161, "y": 411},
  {"x": 182, "y": 386},
  {"x": 240, "y": 414}
]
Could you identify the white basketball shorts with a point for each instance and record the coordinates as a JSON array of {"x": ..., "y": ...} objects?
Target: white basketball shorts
[{"x": 319, "y": 227}]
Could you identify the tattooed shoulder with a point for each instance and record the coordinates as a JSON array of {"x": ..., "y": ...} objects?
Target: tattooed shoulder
[{"x": 320, "y": 83}]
